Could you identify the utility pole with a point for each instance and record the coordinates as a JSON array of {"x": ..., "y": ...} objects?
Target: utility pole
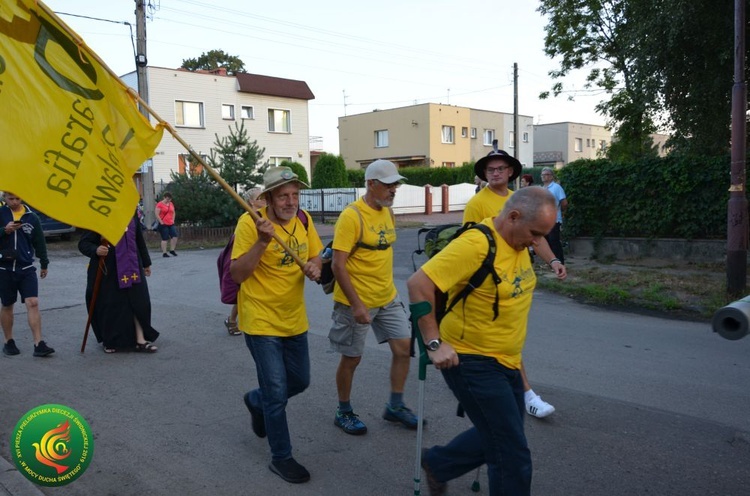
[
  {"x": 141, "y": 62},
  {"x": 516, "y": 151},
  {"x": 344, "y": 92},
  {"x": 737, "y": 221}
]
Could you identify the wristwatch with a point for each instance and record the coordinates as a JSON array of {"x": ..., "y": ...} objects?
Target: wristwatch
[{"x": 433, "y": 345}]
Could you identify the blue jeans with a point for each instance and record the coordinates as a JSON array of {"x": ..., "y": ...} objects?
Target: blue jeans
[
  {"x": 492, "y": 396},
  {"x": 283, "y": 366}
]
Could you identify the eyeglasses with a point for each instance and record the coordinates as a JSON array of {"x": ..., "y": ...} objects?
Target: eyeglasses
[
  {"x": 492, "y": 170},
  {"x": 391, "y": 185}
]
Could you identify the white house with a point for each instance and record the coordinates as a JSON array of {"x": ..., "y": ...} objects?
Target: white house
[{"x": 203, "y": 104}]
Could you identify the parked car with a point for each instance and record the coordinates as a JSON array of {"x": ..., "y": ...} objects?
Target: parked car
[{"x": 53, "y": 227}]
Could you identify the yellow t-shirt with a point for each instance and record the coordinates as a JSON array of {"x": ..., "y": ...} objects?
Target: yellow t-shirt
[
  {"x": 469, "y": 327},
  {"x": 484, "y": 204},
  {"x": 271, "y": 301},
  {"x": 371, "y": 271}
]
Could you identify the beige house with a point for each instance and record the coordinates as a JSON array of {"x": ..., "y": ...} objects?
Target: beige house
[
  {"x": 203, "y": 104},
  {"x": 430, "y": 134},
  {"x": 560, "y": 143}
]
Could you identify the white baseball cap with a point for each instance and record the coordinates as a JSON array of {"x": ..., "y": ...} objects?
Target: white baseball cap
[{"x": 384, "y": 171}]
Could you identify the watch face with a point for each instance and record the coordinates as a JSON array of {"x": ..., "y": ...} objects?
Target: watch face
[{"x": 433, "y": 345}]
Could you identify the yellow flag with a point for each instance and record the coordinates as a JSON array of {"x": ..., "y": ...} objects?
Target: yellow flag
[{"x": 72, "y": 135}]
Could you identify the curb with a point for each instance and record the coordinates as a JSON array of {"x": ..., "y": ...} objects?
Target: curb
[{"x": 13, "y": 483}]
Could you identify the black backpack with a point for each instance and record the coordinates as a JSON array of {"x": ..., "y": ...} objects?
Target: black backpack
[{"x": 436, "y": 238}]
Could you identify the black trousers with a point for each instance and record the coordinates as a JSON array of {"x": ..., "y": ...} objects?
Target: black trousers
[{"x": 555, "y": 243}]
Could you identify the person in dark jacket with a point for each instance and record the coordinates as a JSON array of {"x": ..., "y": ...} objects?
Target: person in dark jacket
[
  {"x": 121, "y": 318},
  {"x": 21, "y": 238}
]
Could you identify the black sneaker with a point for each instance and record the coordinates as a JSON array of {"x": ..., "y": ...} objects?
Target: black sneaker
[
  {"x": 436, "y": 487},
  {"x": 173, "y": 253},
  {"x": 164, "y": 255},
  {"x": 258, "y": 421},
  {"x": 10, "y": 348},
  {"x": 42, "y": 350},
  {"x": 290, "y": 470}
]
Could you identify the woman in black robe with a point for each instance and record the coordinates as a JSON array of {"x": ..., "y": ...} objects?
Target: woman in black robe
[{"x": 122, "y": 310}]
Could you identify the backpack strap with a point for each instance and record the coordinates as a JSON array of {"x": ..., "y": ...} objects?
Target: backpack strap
[
  {"x": 476, "y": 280},
  {"x": 359, "y": 243}
]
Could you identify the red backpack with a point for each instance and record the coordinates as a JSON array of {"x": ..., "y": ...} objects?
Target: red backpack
[{"x": 227, "y": 286}]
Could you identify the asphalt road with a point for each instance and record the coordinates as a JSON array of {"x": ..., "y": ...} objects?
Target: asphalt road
[{"x": 645, "y": 406}]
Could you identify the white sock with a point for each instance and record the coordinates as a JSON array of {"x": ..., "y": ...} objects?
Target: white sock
[{"x": 529, "y": 395}]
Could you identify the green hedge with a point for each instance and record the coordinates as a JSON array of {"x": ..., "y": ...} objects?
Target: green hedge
[
  {"x": 419, "y": 176},
  {"x": 671, "y": 197}
]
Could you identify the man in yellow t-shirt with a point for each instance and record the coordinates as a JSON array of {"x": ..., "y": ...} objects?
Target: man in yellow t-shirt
[
  {"x": 271, "y": 310},
  {"x": 365, "y": 295},
  {"x": 480, "y": 355},
  {"x": 499, "y": 169}
]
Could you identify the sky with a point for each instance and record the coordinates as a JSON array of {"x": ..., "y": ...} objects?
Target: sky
[{"x": 354, "y": 56}]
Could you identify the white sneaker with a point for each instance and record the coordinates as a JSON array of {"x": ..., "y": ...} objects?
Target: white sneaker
[{"x": 538, "y": 407}]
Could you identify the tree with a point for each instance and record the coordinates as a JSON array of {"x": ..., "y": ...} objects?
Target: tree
[
  {"x": 237, "y": 159},
  {"x": 330, "y": 172},
  {"x": 665, "y": 64},
  {"x": 298, "y": 169},
  {"x": 200, "y": 201},
  {"x": 214, "y": 59},
  {"x": 599, "y": 33}
]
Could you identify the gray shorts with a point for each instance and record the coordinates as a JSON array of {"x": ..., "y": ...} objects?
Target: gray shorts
[{"x": 387, "y": 322}]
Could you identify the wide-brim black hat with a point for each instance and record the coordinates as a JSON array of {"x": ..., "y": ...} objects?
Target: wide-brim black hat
[{"x": 481, "y": 164}]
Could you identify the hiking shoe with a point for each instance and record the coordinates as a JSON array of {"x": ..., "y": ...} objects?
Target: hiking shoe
[
  {"x": 10, "y": 348},
  {"x": 290, "y": 470},
  {"x": 539, "y": 408},
  {"x": 436, "y": 487},
  {"x": 258, "y": 420},
  {"x": 349, "y": 422},
  {"x": 173, "y": 253},
  {"x": 400, "y": 414},
  {"x": 164, "y": 255},
  {"x": 42, "y": 350}
]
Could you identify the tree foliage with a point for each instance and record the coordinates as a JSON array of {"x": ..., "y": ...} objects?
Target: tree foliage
[
  {"x": 670, "y": 197},
  {"x": 200, "y": 201},
  {"x": 298, "y": 169},
  {"x": 213, "y": 59},
  {"x": 237, "y": 159},
  {"x": 665, "y": 65},
  {"x": 330, "y": 172}
]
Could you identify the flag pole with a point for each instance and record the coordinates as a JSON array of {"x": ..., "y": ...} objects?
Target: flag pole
[
  {"x": 213, "y": 173},
  {"x": 94, "y": 294},
  {"x": 82, "y": 46}
]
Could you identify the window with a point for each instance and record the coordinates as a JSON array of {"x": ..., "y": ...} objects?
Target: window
[
  {"x": 588, "y": 143},
  {"x": 448, "y": 134},
  {"x": 464, "y": 132},
  {"x": 473, "y": 132},
  {"x": 276, "y": 161},
  {"x": 449, "y": 165},
  {"x": 187, "y": 164},
  {"x": 489, "y": 136},
  {"x": 227, "y": 111},
  {"x": 188, "y": 114},
  {"x": 602, "y": 144},
  {"x": 381, "y": 138},
  {"x": 578, "y": 144},
  {"x": 246, "y": 112},
  {"x": 512, "y": 138},
  {"x": 525, "y": 137},
  {"x": 279, "y": 121}
]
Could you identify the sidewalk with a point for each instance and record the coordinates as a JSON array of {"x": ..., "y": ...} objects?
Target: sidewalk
[{"x": 12, "y": 483}]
